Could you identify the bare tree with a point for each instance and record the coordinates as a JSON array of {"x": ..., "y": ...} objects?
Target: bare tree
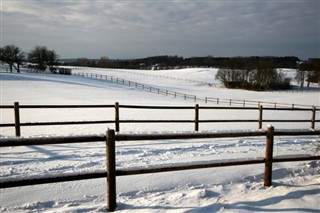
[
  {"x": 13, "y": 56},
  {"x": 83, "y": 62},
  {"x": 239, "y": 72},
  {"x": 309, "y": 71},
  {"x": 103, "y": 62},
  {"x": 52, "y": 59},
  {"x": 300, "y": 77},
  {"x": 43, "y": 57}
]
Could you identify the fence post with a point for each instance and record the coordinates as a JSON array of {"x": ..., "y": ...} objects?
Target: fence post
[
  {"x": 269, "y": 156},
  {"x": 117, "y": 122},
  {"x": 111, "y": 171},
  {"x": 196, "y": 118},
  {"x": 17, "y": 119},
  {"x": 260, "y": 116},
  {"x": 313, "y": 118}
]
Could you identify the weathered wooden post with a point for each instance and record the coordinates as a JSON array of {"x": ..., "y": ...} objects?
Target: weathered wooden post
[
  {"x": 196, "y": 118},
  {"x": 111, "y": 171},
  {"x": 17, "y": 119},
  {"x": 313, "y": 118},
  {"x": 260, "y": 116},
  {"x": 117, "y": 119},
  {"x": 269, "y": 156}
]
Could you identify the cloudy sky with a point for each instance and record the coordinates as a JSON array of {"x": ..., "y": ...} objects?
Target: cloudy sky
[{"x": 141, "y": 28}]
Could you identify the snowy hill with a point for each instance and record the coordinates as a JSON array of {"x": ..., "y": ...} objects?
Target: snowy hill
[{"x": 229, "y": 189}]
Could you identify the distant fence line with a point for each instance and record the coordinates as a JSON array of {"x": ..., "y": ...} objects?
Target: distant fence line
[
  {"x": 117, "y": 121},
  {"x": 112, "y": 172},
  {"x": 185, "y": 96},
  {"x": 298, "y": 90},
  {"x": 152, "y": 75}
]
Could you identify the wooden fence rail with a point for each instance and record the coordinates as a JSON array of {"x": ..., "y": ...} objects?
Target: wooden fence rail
[
  {"x": 111, "y": 171},
  {"x": 117, "y": 120}
]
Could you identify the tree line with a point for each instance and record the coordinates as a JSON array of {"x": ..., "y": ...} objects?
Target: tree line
[
  {"x": 40, "y": 57},
  {"x": 171, "y": 62},
  {"x": 262, "y": 74},
  {"x": 254, "y": 73}
]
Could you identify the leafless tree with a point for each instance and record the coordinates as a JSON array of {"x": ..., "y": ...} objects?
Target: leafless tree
[
  {"x": 239, "y": 72},
  {"x": 43, "y": 57},
  {"x": 13, "y": 56}
]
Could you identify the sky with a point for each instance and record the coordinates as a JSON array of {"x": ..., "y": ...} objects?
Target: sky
[{"x": 127, "y": 29}]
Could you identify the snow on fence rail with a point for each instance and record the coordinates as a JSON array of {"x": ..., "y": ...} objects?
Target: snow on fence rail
[
  {"x": 117, "y": 121},
  {"x": 111, "y": 172}
]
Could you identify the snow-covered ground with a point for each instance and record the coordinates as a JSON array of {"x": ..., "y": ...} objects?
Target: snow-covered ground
[{"x": 228, "y": 189}]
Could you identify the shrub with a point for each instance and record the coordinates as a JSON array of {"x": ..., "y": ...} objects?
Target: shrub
[
  {"x": 263, "y": 75},
  {"x": 64, "y": 71}
]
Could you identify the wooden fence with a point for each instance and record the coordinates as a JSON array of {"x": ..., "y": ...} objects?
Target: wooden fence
[
  {"x": 117, "y": 121},
  {"x": 189, "y": 97},
  {"x": 111, "y": 171}
]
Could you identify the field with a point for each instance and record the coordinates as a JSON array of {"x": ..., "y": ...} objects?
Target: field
[{"x": 229, "y": 189}]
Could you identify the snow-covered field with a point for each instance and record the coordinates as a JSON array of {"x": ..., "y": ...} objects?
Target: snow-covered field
[{"x": 296, "y": 186}]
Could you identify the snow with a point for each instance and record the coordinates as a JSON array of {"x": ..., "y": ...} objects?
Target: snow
[{"x": 225, "y": 189}]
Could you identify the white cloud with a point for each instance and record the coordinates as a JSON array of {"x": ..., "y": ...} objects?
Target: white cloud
[{"x": 176, "y": 26}]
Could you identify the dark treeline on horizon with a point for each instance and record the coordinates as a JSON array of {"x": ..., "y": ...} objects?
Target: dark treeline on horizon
[{"x": 170, "y": 62}]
